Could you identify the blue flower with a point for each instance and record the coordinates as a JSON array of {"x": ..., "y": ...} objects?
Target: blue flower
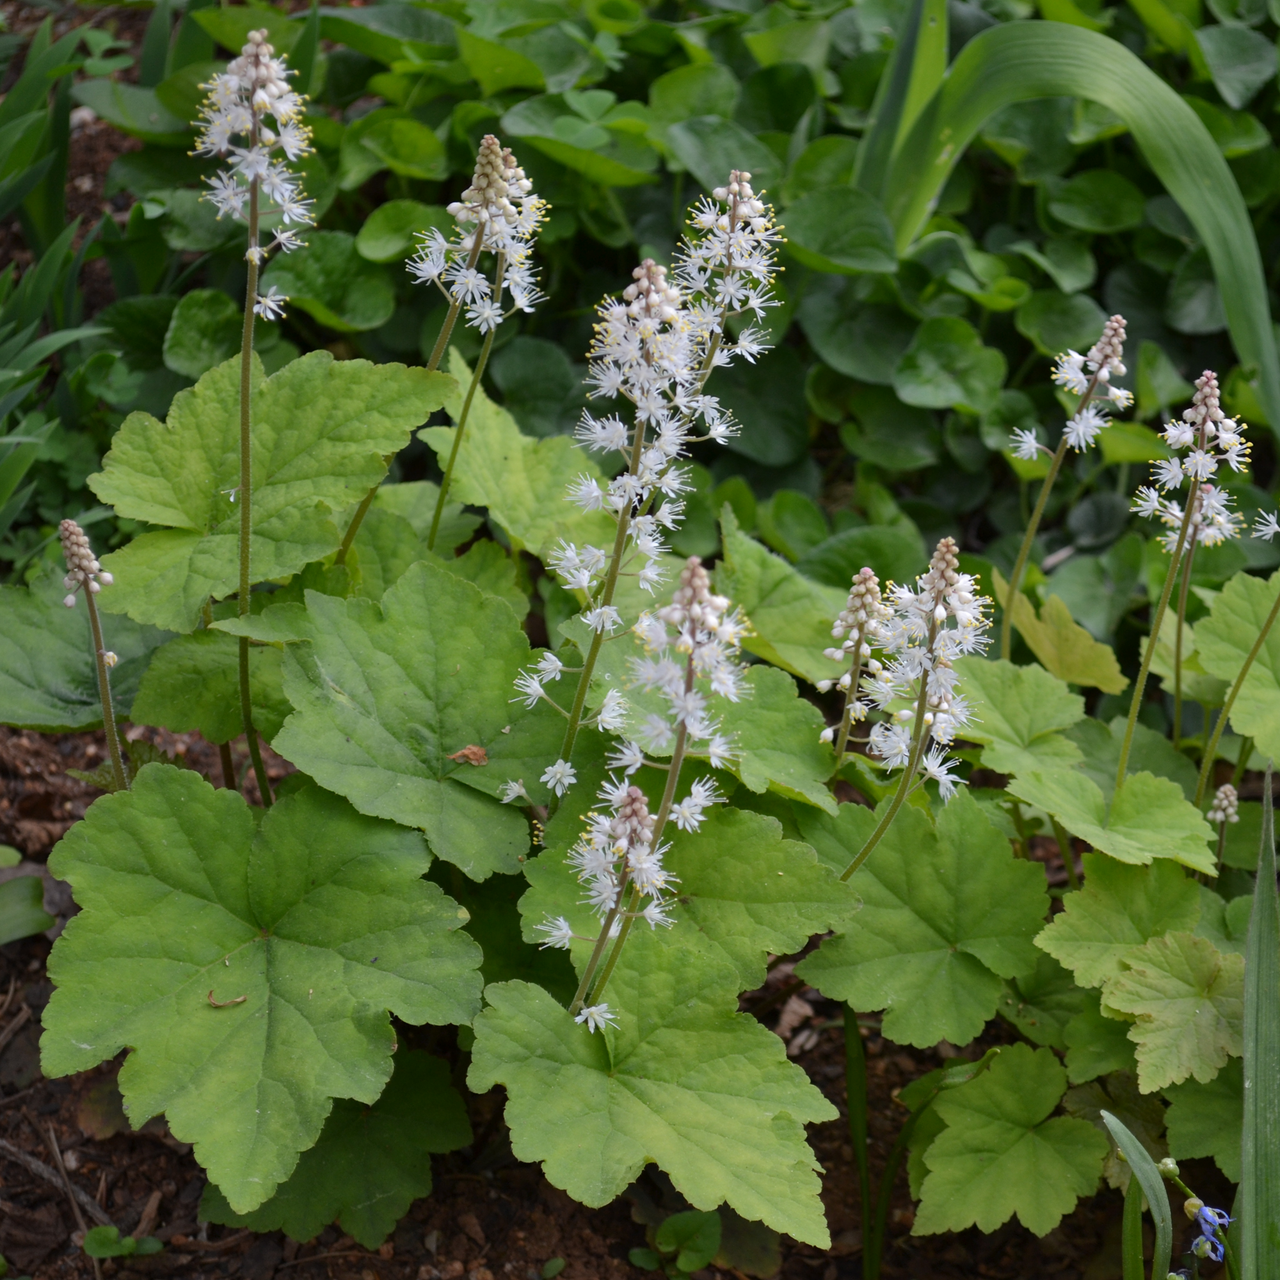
[{"x": 1207, "y": 1245}]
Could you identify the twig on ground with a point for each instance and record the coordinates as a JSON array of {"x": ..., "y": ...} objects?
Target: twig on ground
[
  {"x": 70, "y": 1190},
  {"x": 42, "y": 1170}
]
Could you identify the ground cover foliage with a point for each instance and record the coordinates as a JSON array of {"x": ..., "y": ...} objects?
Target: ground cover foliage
[{"x": 377, "y": 536}]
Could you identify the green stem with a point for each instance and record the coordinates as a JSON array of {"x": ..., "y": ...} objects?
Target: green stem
[
  {"x": 246, "y": 484},
  {"x": 228, "y": 766},
  {"x": 437, "y": 353},
  {"x": 855, "y": 1076},
  {"x": 1246, "y": 747},
  {"x": 664, "y": 812},
  {"x": 1144, "y": 670},
  {"x": 478, "y": 373},
  {"x": 1068, "y": 854},
  {"x": 104, "y": 690},
  {"x": 1183, "y": 589},
  {"x": 908, "y": 774},
  {"x": 606, "y": 598},
  {"x": 1024, "y": 551},
  {"x": 850, "y": 695},
  {"x": 455, "y": 304},
  {"x": 1242, "y": 762},
  {"x": 873, "y": 1244},
  {"x": 1022, "y": 847}
]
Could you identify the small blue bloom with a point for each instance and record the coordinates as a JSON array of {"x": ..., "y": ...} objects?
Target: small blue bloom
[
  {"x": 1211, "y": 1218},
  {"x": 1208, "y": 1245}
]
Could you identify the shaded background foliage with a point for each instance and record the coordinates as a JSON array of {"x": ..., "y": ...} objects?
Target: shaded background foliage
[{"x": 882, "y": 419}]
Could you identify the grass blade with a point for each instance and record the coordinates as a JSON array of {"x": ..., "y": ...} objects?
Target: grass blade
[
  {"x": 1152, "y": 1184},
  {"x": 1019, "y": 61},
  {"x": 1260, "y": 1163}
]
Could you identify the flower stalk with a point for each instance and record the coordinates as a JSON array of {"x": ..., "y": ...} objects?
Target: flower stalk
[
  {"x": 1209, "y": 437},
  {"x": 84, "y": 573},
  {"x": 1103, "y": 359},
  {"x": 253, "y": 90},
  {"x": 921, "y": 649}
]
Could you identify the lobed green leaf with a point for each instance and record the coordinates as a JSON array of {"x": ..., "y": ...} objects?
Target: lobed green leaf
[{"x": 249, "y": 961}]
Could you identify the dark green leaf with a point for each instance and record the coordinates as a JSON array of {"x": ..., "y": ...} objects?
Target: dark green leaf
[
  {"x": 1058, "y": 322},
  {"x": 947, "y": 366},
  {"x": 330, "y": 281},
  {"x": 370, "y": 1163},
  {"x": 896, "y": 553},
  {"x": 1098, "y": 200},
  {"x": 206, "y": 329},
  {"x": 840, "y": 229},
  {"x": 391, "y": 231},
  {"x": 709, "y": 147},
  {"x": 1241, "y": 61},
  {"x": 860, "y": 341}
]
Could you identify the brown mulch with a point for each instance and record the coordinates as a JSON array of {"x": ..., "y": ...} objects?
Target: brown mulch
[{"x": 490, "y": 1217}]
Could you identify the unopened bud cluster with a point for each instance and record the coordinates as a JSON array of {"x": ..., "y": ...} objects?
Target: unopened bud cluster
[
  {"x": 496, "y": 183},
  {"x": 1225, "y": 806},
  {"x": 650, "y": 296},
  {"x": 1088, "y": 376},
  {"x": 1210, "y": 437},
  {"x": 499, "y": 207},
  {"x": 738, "y": 195},
  {"x": 83, "y": 570},
  {"x": 859, "y": 626}
]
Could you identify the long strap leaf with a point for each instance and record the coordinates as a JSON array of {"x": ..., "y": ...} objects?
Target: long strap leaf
[
  {"x": 1260, "y": 1164},
  {"x": 909, "y": 83},
  {"x": 1152, "y": 1184},
  {"x": 1019, "y": 61}
]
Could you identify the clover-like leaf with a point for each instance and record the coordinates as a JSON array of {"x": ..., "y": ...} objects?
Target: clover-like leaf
[
  {"x": 1018, "y": 715},
  {"x": 248, "y": 961},
  {"x": 1206, "y": 1119},
  {"x": 193, "y": 685},
  {"x": 388, "y": 695},
  {"x": 1001, "y": 1155},
  {"x": 520, "y": 480},
  {"x": 1188, "y": 999},
  {"x": 1149, "y": 818},
  {"x": 48, "y": 677},
  {"x": 790, "y": 615},
  {"x": 947, "y": 912},
  {"x": 1120, "y": 908},
  {"x": 370, "y": 1164},
  {"x": 739, "y": 885},
  {"x": 684, "y": 1080},
  {"x": 1223, "y": 641},
  {"x": 321, "y": 428}
]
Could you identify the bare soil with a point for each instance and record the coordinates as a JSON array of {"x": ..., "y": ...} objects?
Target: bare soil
[{"x": 490, "y": 1216}]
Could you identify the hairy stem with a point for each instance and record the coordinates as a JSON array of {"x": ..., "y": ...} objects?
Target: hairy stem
[
  {"x": 1024, "y": 551},
  {"x": 478, "y": 373},
  {"x": 437, "y": 354},
  {"x": 1033, "y": 525},
  {"x": 1140, "y": 685},
  {"x": 104, "y": 690},
  {"x": 1183, "y": 589},
  {"x": 908, "y": 774},
  {"x": 1066, "y": 852},
  {"x": 228, "y": 766},
  {"x": 246, "y": 482},
  {"x": 850, "y": 696},
  {"x": 1246, "y": 747},
  {"x": 664, "y": 812}
]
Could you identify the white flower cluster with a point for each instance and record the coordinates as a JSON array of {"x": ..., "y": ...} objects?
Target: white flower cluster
[
  {"x": 234, "y": 121},
  {"x": 1209, "y": 437},
  {"x": 930, "y": 625},
  {"x": 861, "y": 623},
  {"x": 694, "y": 638},
  {"x": 499, "y": 214},
  {"x": 655, "y": 347},
  {"x": 1225, "y": 806},
  {"x": 1088, "y": 376},
  {"x": 83, "y": 570}
]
